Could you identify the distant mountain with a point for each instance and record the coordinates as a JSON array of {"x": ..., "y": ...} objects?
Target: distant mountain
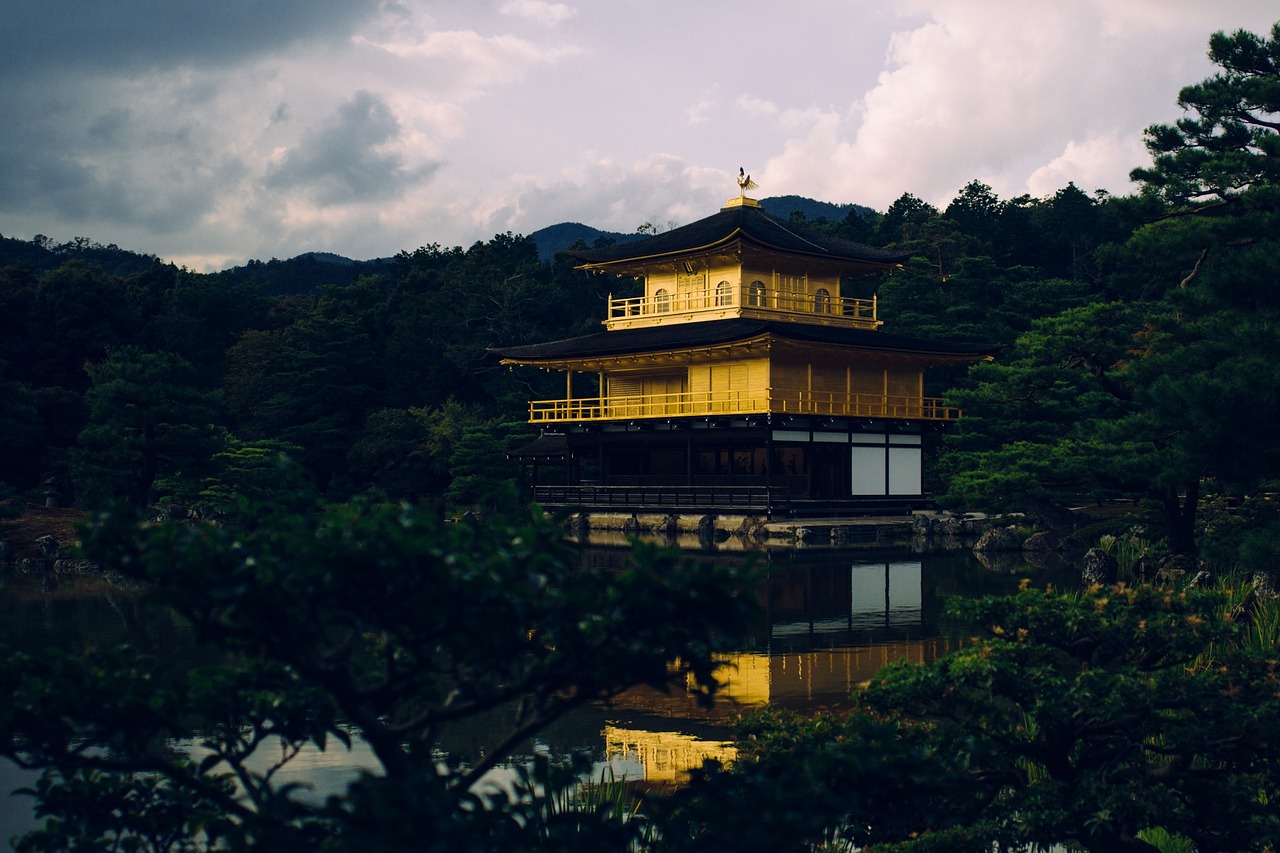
[
  {"x": 43, "y": 254},
  {"x": 305, "y": 273},
  {"x": 311, "y": 270},
  {"x": 557, "y": 238},
  {"x": 328, "y": 258},
  {"x": 782, "y": 206}
]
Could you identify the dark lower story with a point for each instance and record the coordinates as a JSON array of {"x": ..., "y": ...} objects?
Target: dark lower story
[{"x": 797, "y": 467}]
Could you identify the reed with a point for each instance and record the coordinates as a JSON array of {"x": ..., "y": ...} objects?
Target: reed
[{"x": 1127, "y": 550}]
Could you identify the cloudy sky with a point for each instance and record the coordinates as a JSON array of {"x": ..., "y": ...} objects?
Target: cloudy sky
[{"x": 213, "y": 132}]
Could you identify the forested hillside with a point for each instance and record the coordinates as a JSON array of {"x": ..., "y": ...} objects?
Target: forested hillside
[
  {"x": 126, "y": 376},
  {"x": 1140, "y": 361},
  {"x": 1141, "y": 348},
  {"x": 163, "y": 385}
]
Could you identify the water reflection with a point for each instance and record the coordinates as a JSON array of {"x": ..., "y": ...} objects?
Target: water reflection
[{"x": 830, "y": 620}]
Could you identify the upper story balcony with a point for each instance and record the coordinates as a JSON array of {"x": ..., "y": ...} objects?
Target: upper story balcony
[
  {"x": 754, "y": 300},
  {"x": 740, "y": 402}
]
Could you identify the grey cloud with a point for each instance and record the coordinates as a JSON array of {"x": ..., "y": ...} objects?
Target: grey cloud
[
  {"x": 108, "y": 127},
  {"x": 340, "y": 162},
  {"x": 90, "y": 163},
  {"x": 126, "y": 36},
  {"x": 79, "y": 193},
  {"x": 77, "y": 143}
]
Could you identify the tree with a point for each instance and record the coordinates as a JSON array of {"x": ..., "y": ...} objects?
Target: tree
[
  {"x": 1208, "y": 162},
  {"x": 146, "y": 420},
  {"x": 1087, "y": 720},
  {"x": 478, "y": 463},
  {"x": 202, "y": 316},
  {"x": 79, "y": 313},
  {"x": 976, "y": 211},
  {"x": 249, "y": 473},
  {"x": 21, "y": 464},
  {"x": 330, "y": 624},
  {"x": 1067, "y": 226},
  {"x": 904, "y": 218},
  {"x": 1173, "y": 397},
  {"x": 1061, "y": 419},
  {"x": 1213, "y": 345},
  {"x": 390, "y": 456},
  {"x": 311, "y": 384}
]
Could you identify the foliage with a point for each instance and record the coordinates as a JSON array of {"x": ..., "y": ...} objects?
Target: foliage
[
  {"x": 328, "y": 358},
  {"x": 248, "y": 474},
  {"x": 479, "y": 464},
  {"x": 1164, "y": 394},
  {"x": 1142, "y": 355},
  {"x": 1071, "y": 719},
  {"x": 19, "y": 424},
  {"x": 146, "y": 420},
  {"x": 1128, "y": 550},
  {"x": 341, "y": 623},
  {"x": 1042, "y": 426},
  {"x": 336, "y": 358},
  {"x": 1211, "y": 159}
]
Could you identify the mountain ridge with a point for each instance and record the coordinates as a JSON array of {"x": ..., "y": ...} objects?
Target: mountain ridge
[
  {"x": 305, "y": 271},
  {"x": 562, "y": 235}
]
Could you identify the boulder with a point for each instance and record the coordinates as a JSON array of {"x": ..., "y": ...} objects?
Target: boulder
[
  {"x": 1000, "y": 562},
  {"x": 1045, "y": 561},
  {"x": 1043, "y": 540},
  {"x": 49, "y": 548},
  {"x": 1050, "y": 540},
  {"x": 999, "y": 539},
  {"x": 752, "y": 528},
  {"x": 1174, "y": 569},
  {"x": 1202, "y": 579},
  {"x": 77, "y": 567},
  {"x": 1099, "y": 567}
]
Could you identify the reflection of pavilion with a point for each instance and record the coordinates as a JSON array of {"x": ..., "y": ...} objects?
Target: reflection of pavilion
[
  {"x": 850, "y": 604},
  {"x": 832, "y": 624},
  {"x": 833, "y": 629},
  {"x": 663, "y": 757},
  {"x": 819, "y": 677}
]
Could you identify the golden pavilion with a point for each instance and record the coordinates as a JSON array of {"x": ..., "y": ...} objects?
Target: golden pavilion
[{"x": 741, "y": 379}]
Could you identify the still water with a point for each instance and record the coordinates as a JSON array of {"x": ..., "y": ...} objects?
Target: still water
[{"x": 830, "y": 620}]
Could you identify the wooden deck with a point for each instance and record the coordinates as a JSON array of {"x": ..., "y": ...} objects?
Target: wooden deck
[
  {"x": 740, "y": 402},
  {"x": 770, "y": 501}
]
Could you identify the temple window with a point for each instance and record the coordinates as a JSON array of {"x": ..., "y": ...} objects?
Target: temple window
[
  {"x": 662, "y": 300},
  {"x": 723, "y": 294},
  {"x": 755, "y": 294},
  {"x": 822, "y": 301},
  {"x": 694, "y": 288}
]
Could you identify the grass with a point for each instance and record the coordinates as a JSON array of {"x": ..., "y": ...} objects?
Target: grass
[
  {"x": 608, "y": 798},
  {"x": 1127, "y": 550}
]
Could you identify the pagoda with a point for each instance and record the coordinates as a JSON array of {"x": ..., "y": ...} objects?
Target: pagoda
[{"x": 742, "y": 379}]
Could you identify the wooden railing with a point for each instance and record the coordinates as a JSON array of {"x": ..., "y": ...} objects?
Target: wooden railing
[
  {"x": 740, "y": 402},
  {"x": 845, "y": 311},
  {"x": 704, "y": 497},
  {"x": 863, "y": 405}
]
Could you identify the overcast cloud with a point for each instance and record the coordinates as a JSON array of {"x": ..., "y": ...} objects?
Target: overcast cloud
[{"x": 211, "y": 133}]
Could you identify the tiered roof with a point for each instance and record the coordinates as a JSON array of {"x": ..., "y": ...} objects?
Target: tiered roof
[
  {"x": 623, "y": 342},
  {"x": 742, "y": 220}
]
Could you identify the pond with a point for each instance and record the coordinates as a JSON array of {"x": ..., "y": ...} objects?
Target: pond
[{"x": 831, "y": 619}]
